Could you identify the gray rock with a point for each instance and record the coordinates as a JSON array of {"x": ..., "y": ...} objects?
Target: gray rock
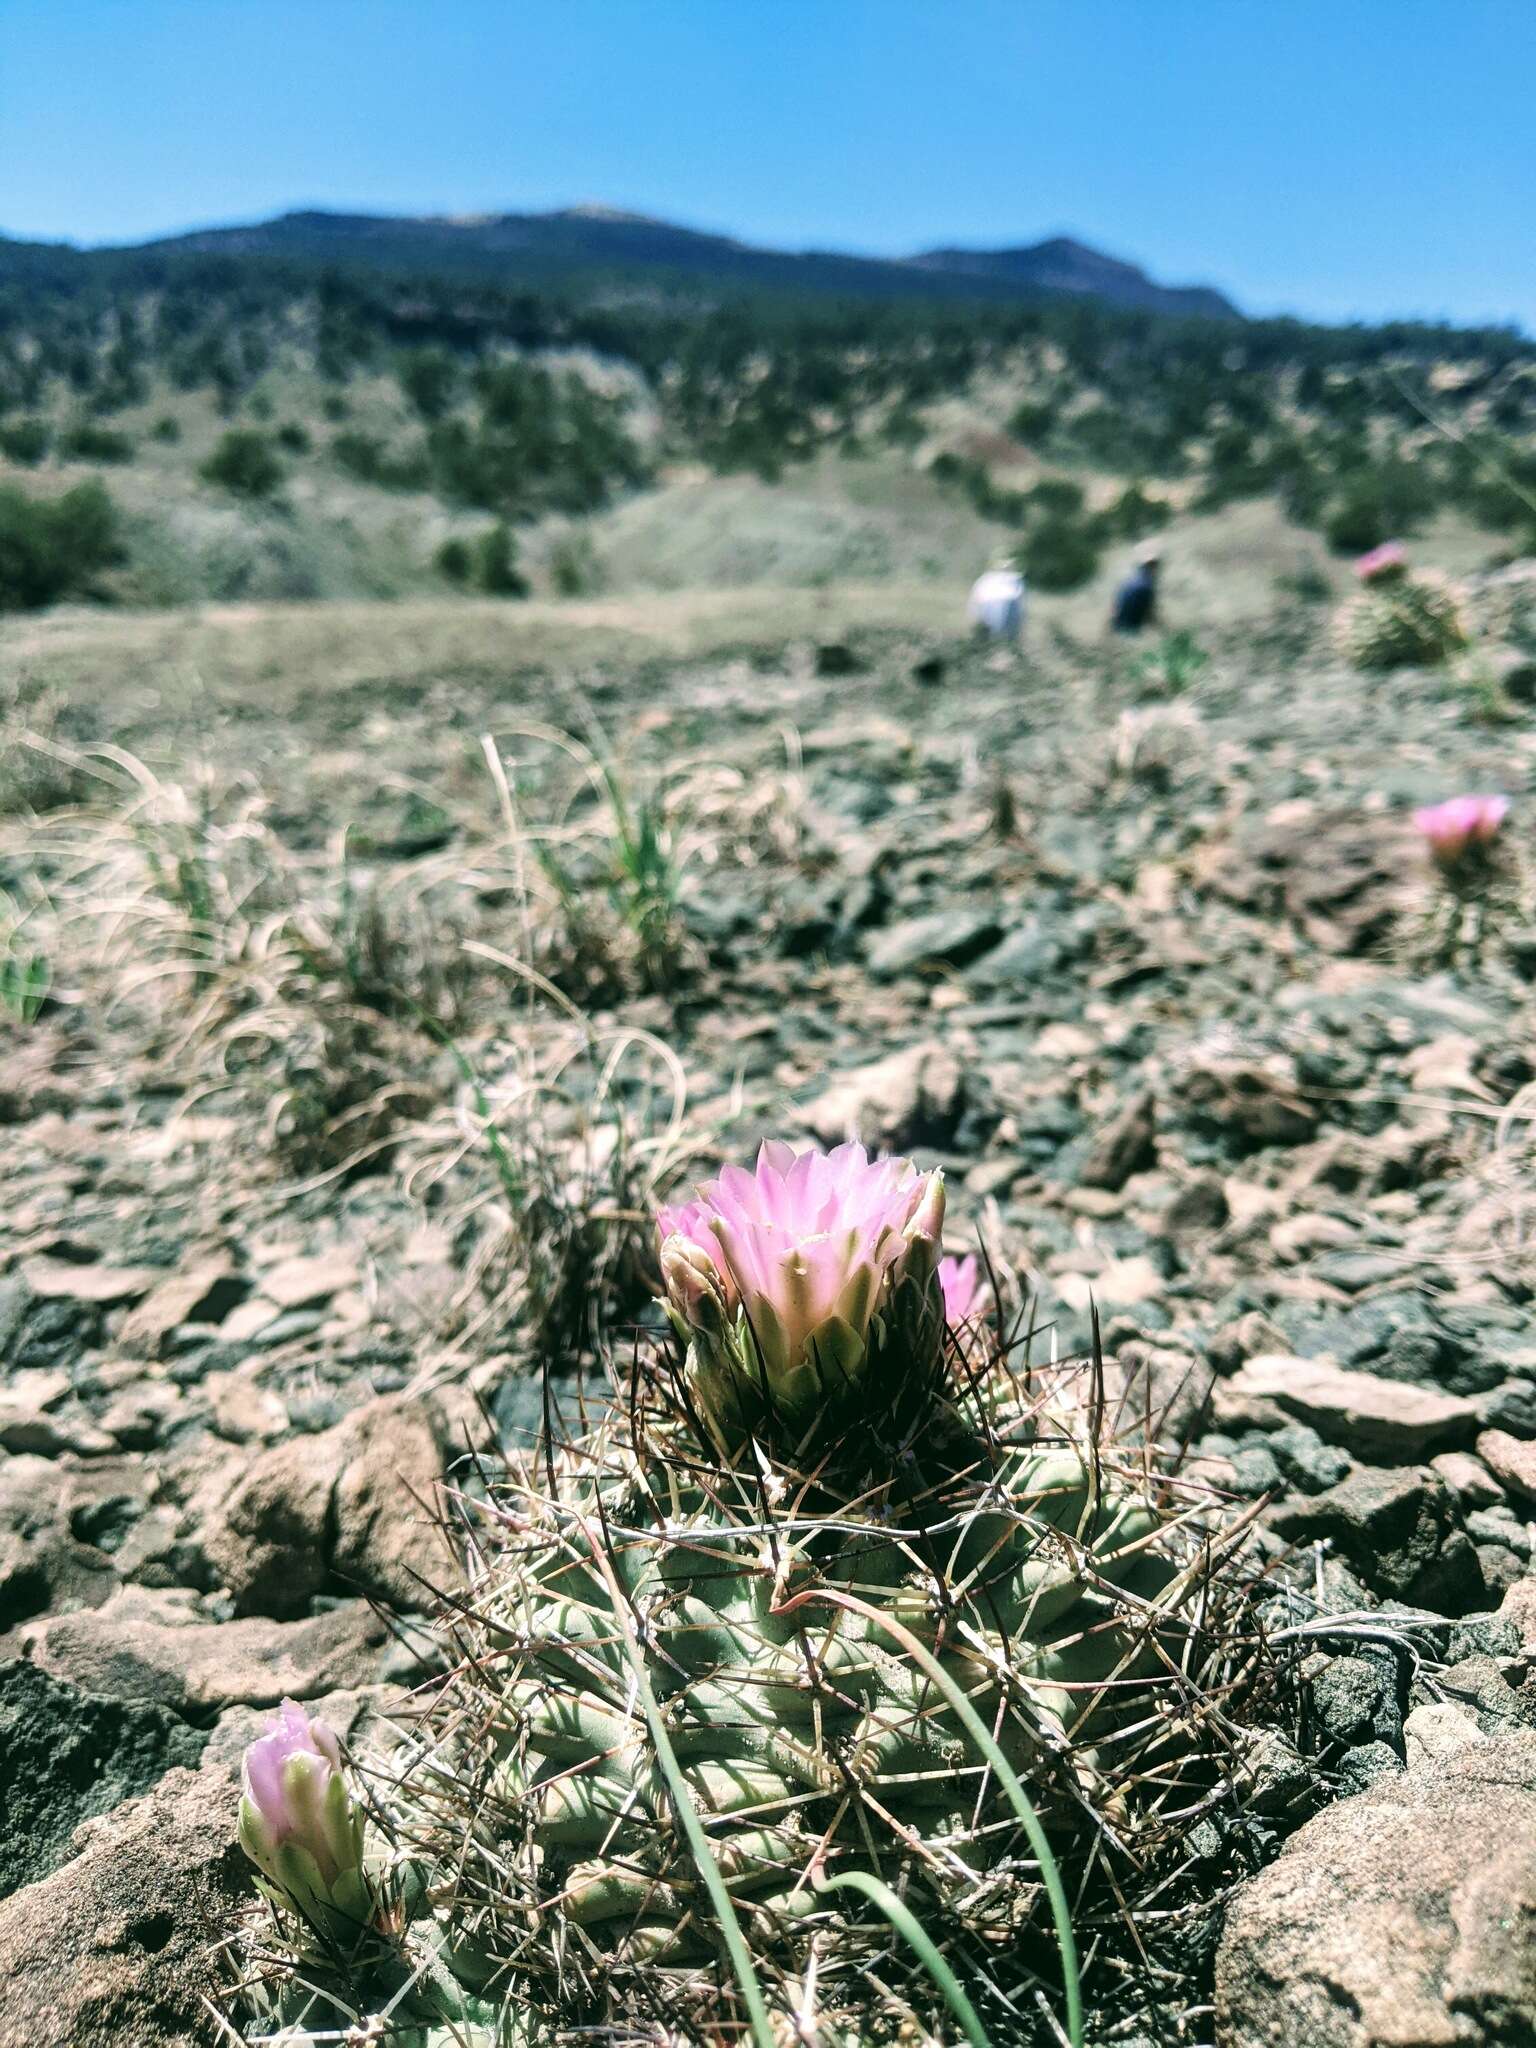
[
  {"x": 118, "y": 1948},
  {"x": 1398, "y": 1531},
  {"x": 1030, "y": 954},
  {"x": 1401, "y": 1918},
  {"x": 1127, "y": 1144},
  {"x": 944, "y": 938},
  {"x": 1365, "y": 1765},
  {"x": 1307, "y": 1462},
  {"x": 1511, "y": 1408},
  {"x": 1355, "y": 1701},
  {"x": 1199, "y": 1209},
  {"x": 152, "y": 1646},
  {"x": 66, "y": 1756}
]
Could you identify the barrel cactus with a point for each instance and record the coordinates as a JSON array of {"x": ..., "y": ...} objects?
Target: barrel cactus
[
  {"x": 1406, "y": 621},
  {"x": 792, "y": 1694}
]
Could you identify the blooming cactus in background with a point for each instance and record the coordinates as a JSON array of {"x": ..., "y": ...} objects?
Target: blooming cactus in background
[
  {"x": 1383, "y": 564},
  {"x": 300, "y": 1826},
  {"x": 807, "y": 1291},
  {"x": 965, "y": 1293},
  {"x": 1461, "y": 827}
]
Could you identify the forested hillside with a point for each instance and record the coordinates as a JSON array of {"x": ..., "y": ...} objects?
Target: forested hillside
[{"x": 176, "y": 423}]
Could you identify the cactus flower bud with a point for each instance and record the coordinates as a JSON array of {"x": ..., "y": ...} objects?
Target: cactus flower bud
[
  {"x": 300, "y": 1826},
  {"x": 807, "y": 1290}
]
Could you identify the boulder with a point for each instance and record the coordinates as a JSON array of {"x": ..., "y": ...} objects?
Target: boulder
[
  {"x": 1402, "y": 1918},
  {"x": 1376, "y": 1418},
  {"x": 911, "y": 1097},
  {"x": 267, "y": 1540},
  {"x": 67, "y": 1756},
  {"x": 117, "y": 1949},
  {"x": 348, "y": 1509},
  {"x": 1397, "y": 1530},
  {"x": 386, "y": 1543},
  {"x": 154, "y": 1646}
]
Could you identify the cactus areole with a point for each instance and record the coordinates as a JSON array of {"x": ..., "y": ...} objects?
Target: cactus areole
[{"x": 844, "y": 1603}]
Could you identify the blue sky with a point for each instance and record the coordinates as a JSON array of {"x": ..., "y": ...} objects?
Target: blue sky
[{"x": 1338, "y": 158}]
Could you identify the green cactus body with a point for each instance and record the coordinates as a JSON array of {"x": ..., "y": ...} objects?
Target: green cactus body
[
  {"x": 1057, "y": 1588},
  {"x": 1415, "y": 621}
]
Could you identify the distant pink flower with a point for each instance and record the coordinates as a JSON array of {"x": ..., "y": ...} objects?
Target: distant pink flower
[
  {"x": 778, "y": 1277},
  {"x": 964, "y": 1290},
  {"x": 1382, "y": 564},
  {"x": 1460, "y": 824}
]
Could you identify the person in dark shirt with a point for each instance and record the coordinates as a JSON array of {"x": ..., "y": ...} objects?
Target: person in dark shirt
[{"x": 1136, "y": 599}]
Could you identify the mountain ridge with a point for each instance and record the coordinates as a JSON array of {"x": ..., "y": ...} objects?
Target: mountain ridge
[{"x": 595, "y": 237}]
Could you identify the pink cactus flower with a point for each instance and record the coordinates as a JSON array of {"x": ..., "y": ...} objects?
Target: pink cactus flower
[
  {"x": 1383, "y": 564},
  {"x": 964, "y": 1291},
  {"x": 1461, "y": 824},
  {"x": 785, "y": 1279}
]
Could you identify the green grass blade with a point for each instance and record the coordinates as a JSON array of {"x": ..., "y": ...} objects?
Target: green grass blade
[
  {"x": 907, "y": 1926},
  {"x": 1018, "y": 1798}
]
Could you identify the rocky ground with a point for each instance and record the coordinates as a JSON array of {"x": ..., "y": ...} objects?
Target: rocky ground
[{"x": 1144, "y": 971}]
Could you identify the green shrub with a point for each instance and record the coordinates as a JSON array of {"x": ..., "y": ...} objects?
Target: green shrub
[
  {"x": 1173, "y": 664},
  {"x": 1304, "y": 584},
  {"x": 367, "y": 457},
  {"x": 455, "y": 561},
  {"x": 429, "y": 377},
  {"x": 1377, "y": 504},
  {"x": 1134, "y": 515},
  {"x": 54, "y": 547},
  {"x": 166, "y": 429},
  {"x": 541, "y": 443},
  {"x": 88, "y": 442},
  {"x": 496, "y": 569},
  {"x": 26, "y": 441},
  {"x": 1031, "y": 423},
  {"x": 902, "y": 428},
  {"x": 1055, "y": 497},
  {"x": 244, "y": 463},
  {"x": 1059, "y": 554},
  {"x": 573, "y": 565},
  {"x": 294, "y": 437}
]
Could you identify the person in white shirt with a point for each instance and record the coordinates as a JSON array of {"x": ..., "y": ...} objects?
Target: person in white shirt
[{"x": 997, "y": 604}]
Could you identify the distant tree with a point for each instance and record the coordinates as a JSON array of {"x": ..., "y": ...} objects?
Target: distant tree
[
  {"x": 429, "y": 377},
  {"x": 455, "y": 561},
  {"x": 496, "y": 569},
  {"x": 26, "y": 441},
  {"x": 243, "y": 462},
  {"x": 1134, "y": 514},
  {"x": 86, "y": 441},
  {"x": 54, "y": 547},
  {"x": 1059, "y": 554},
  {"x": 294, "y": 437}
]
